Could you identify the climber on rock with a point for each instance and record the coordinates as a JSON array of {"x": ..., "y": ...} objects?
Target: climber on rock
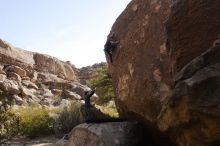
[
  {"x": 110, "y": 46},
  {"x": 87, "y": 96}
]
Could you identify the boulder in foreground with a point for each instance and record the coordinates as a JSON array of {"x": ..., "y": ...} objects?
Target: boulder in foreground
[{"x": 104, "y": 134}]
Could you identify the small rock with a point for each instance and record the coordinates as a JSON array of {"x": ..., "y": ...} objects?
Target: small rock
[
  {"x": 26, "y": 78},
  {"x": 18, "y": 100},
  {"x": 29, "y": 84},
  {"x": 28, "y": 93},
  {"x": 56, "y": 92},
  {"x": 9, "y": 86},
  {"x": 71, "y": 95},
  {"x": 12, "y": 68},
  {"x": 2, "y": 72},
  {"x": 14, "y": 76}
]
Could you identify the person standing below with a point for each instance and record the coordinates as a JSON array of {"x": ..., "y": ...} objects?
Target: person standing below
[
  {"x": 87, "y": 105},
  {"x": 87, "y": 96},
  {"x": 110, "y": 46}
]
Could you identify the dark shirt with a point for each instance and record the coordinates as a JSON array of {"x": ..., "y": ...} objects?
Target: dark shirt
[
  {"x": 87, "y": 98},
  {"x": 66, "y": 137},
  {"x": 108, "y": 46}
]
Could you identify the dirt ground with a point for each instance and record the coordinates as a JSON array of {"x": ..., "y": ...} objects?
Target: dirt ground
[{"x": 24, "y": 141}]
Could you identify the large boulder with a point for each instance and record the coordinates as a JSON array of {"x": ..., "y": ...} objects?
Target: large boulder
[
  {"x": 191, "y": 115},
  {"x": 52, "y": 65},
  {"x": 157, "y": 39},
  {"x": 139, "y": 68},
  {"x": 105, "y": 134}
]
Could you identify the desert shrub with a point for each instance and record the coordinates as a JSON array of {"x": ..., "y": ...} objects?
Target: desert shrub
[
  {"x": 68, "y": 118},
  {"x": 6, "y": 100},
  {"x": 8, "y": 120},
  {"x": 102, "y": 81},
  {"x": 56, "y": 100},
  {"x": 34, "y": 120},
  {"x": 74, "y": 115},
  {"x": 9, "y": 124}
]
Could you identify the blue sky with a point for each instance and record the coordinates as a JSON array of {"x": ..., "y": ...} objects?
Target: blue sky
[{"x": 73, "y": 30}]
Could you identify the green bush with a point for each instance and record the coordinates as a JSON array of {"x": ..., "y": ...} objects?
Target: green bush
[
  {"x": 34, "y": 120},
  {"x": 109, "y": 109},
  {"x": 102, "y": 81}
]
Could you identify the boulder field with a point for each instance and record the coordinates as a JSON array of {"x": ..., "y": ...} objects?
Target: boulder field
[{"x": 27, "y": 77}]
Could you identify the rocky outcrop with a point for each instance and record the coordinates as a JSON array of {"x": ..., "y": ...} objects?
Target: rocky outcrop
[
  {"x": 151, "y": 78},
  {"x": 27, "y": 77},
  {"x": 45, "y": 63},
  {"x": 30, "y": 61},
  {"x": 15, "y": 56},
  {"x": 104, "y": 134},
  {"x": 191, "y": 115},
  {"x": 85, "y": 73}
]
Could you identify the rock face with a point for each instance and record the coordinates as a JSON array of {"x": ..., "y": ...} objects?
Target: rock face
[
  {"x": 140, "y": 76},
  {"x": 192, "y": 114},
  {"x": 105, "y": 134},
  {"x": 192, "y": 27},
  {"x": 151, "y": 78}
]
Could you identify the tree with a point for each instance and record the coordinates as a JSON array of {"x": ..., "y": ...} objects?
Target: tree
[{"x": 102, "y": 81}]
